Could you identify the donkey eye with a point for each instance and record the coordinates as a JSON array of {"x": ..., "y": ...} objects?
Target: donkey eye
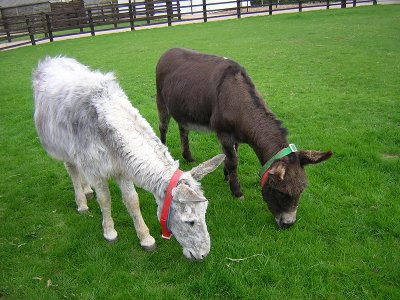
[
  {"x": 281, "y": 194},
  {"x": 191, "y": 223}
]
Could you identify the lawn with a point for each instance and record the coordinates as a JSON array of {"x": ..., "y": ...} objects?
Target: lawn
[{"x": 332, "y": 77}]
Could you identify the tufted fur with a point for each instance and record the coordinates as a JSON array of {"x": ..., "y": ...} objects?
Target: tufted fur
[
  {"x": 85, "y": 119},
  {"x": 216, "y": 94}
]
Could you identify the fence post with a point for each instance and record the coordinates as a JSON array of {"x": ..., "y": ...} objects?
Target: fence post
[
  {"x": 80, "y": 22},
  {"x": 113, "y": 14},
  {"x": 169, "y": 11},
  {"x": 327, "y": 4},
  {"x": 205, "y": 10},
  {"x": 102, "y": 14},
  {"x": 147, "y": 8},
  {"x": 238, "y": 8},
  {"x": 270, "y": 9},
  {"x": 91, "y": 21},
  {"x": 178, "y": 7},
  {"x": 5, "y": 24},
  {"x": 374, "y": 2},
  {"x": 354, "y": 3},
  {"x": 343, "y": 4},
  {"x": 30, "y": 31},
  {"x": 300, "y": 6},
  {"x": 49, "y": 29},
  {"x": 131, "y": 16}
]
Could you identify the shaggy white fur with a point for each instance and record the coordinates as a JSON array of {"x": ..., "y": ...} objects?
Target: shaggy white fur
[{"x": 85, "y": 119}]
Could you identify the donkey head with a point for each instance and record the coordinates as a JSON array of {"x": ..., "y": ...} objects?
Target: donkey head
[
  {"x": 285, "y": 183},
  {"x": 188, "y": 208}
]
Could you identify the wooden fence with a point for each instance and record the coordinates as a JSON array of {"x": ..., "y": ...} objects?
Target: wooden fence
[{"x": 30, "y": 29}]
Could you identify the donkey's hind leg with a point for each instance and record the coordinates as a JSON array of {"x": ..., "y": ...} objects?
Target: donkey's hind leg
[
  {"x": 79, "y": 188},
  {"x": 131, "y": 201},
  {"x": 87, "y": 189},
  {"x": 164, "y": 117},
  {"x": 184, "y": 135}
]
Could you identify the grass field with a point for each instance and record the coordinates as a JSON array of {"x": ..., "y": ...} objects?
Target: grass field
[{"x": 333, "y": 77}]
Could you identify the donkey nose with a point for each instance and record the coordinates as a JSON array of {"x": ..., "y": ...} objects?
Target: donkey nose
[
  {"x": 198, "y": 257},
  {"x": 284, "y": 224}
]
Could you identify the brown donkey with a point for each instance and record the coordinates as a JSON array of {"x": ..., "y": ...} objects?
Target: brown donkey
[{"x": 211, "y": 93}]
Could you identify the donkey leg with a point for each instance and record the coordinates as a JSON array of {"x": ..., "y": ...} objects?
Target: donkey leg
[
  {"x": 184, "y": 135},
  {"x": 231, "y": 160},
  {"x": 226, "y": 173},
  {"x": 80, "y": 198},
  {"x": 131, "y": 201},
  {"x": 104, "y": 200},
  {"x": 164, "y": 117},
  {"x": 86, "y": 189}
]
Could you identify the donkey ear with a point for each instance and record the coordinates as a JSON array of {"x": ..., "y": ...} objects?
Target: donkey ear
[
  {"x": 183, "y": 193},
  {"x": 278, "y": 169},
  {"x": 313, "y": 157},
  {"x": 207, "y": 167}
]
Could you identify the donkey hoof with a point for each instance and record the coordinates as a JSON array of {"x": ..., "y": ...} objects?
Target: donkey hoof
[
  {"x": 112, "y": 241},
  {"x": 83, "y": 209},
  {"x": 148, "y": 244},
  {"x": 111, "y": 237},
  {"x": 239, "y": 196}
]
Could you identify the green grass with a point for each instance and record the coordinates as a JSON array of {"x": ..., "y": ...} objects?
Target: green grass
[{"x": 333, "y": 77}]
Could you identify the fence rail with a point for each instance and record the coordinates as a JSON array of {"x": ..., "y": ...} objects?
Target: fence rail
[{"x": 29, "y": 29}]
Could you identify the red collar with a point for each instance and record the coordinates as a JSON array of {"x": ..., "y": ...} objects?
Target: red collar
[
  {"x": 264, "y": 177},
  {"x": 166, "y": 234}
]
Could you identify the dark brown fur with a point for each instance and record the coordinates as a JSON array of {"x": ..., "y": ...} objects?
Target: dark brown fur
[{"x": 216, "y": 93}]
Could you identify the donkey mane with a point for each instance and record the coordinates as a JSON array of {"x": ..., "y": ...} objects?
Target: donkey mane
[
  {"x": 149, "y": 162},
  {"x": 234, "y": 69},
  {"x": 153, "y": 165}
]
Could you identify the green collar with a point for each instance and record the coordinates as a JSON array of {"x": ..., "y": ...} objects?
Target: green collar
[{"x": 285, "y": 151}]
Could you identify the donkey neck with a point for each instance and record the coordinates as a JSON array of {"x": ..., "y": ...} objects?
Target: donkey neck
[
  {"x": 136, "y": 150},
  {"x": 266, "y": 137},
  {"x": 155, "y": 176},
  {"x": 162, "y": 182}
]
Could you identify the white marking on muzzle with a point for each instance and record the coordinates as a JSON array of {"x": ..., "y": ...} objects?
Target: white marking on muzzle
[{"x": 289, "y": 217}]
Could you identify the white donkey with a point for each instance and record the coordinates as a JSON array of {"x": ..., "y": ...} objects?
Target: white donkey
[{"x": 85, "y": 119}]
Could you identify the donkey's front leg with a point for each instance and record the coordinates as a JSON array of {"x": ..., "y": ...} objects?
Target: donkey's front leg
[
  {"x": 164, "y": 117},
  {"x": 230, "y": 168},
  {"x": 184, "y": 134},
  {"x": 226, "y": 175},
  {"x": 131, "y": 201},
  {"x": 104, "y": 199}
]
